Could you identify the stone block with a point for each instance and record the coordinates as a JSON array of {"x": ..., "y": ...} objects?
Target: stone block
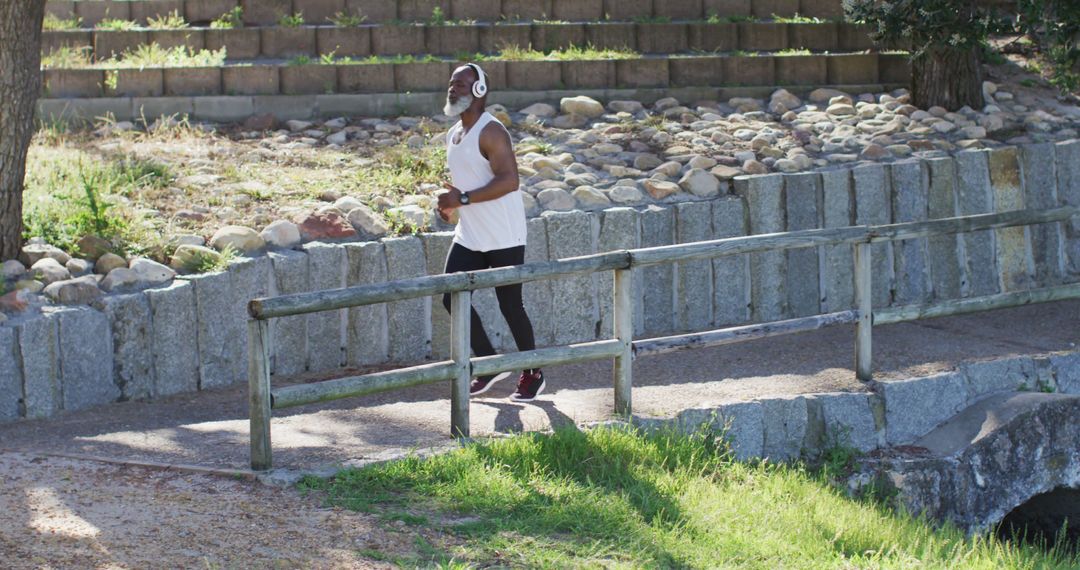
[
  {"x": 1067, "y": 155},
  {"x": 250, "y": 279},
  {"x": 152, "y": 108},
  {"x": 76, "y": 39},
  {"x": 409, "y": 321},
  {"x": 577, "y": 10},
  {"x": 86, "y": 362},
  {"x": 785, "y": 420},
  {"x": 141, "y": 11},
  {"x": 92, "y": 13},
  {"x": 533, "y": 75},
  {"x": 174, "y": 338},
  {"x": 764, "y": 197},
  {"x": 853, "y": 69},
  {"x": 1040, "y": 193},
  {"x": 496, "y": 37},
  {"x": 132, "y": 341},
  {"x": 422, "y": 10},
  {"x": 727, "y": 8},
  {"x": 974, "y": 196},
  {"x": 397, "y": 40},
  {"x": 326, "y": 270},
  {"x": 366, "y": 78},
  {"x": 824, "y": 9},
  {"x": 308, "y": 79},
  {"x": 137, "y": 83},
  {"x": 206, "y": 11},
  {"x": 344, "y": 42},
  {"x": 279, "y": 42},
  {"x": 595, "y": 74},
  {"x": 662, "y": 38},
  {"x": 696, "y": 71},
  {"x": 741, "y": 425},
  {"x": 451, "y": 40},
  {"x": 436, "y": 247},
  {"x": 627, "y": 9},
  {"x": 108, "y": 44},
  {"x": 946, "y": 274},
  {"x": 73, "y": 83},
  {"x": 65, "y": 9},
  {"x": 223, "y": 109},
  {"x": 1066, "y": 369},
  {"x": 289, "y": 335},
  {"x": 837, "y": 262},
  {"x": 218, "y": 334},
  {"x": 814, "y": 37},
  {"x": 239, "y": 43},
  {"x": 1000, "y": 375},
  {"x": 265, "y": 12},
  {"x": 191, "y": 81},
  {"x": 620, "y": 229},
  {"x": 848, "y": 419},
  {"x": 427, "y": 76},
  {"x": 549, "y": 37},
  {"x": 694, "y": 281},
  {"x": 477, "y": 10},
  {"x": 713, "y": 37},
  {"x": 909, "y": 201},
  {"x": 731, "y": 274},
  {"x": 319, "y": 12},
  {"x": 916, "y": 406},
  {"x": 749, "y": 70},
  {"x": 526, "y": 9},
  {"x": 873, "y": 207},
  {"x": 1015, "y": 261},
  {"x": 854, "y": 37},
  {"x": 367, "y": 337},
  {"x": 642, "y": 73},
  {"x": 678, "y": 9},
  {"x": 894, "y": 69},
  {"x": 11, "y": 380},
  {"x": 38, "y": 343},
  {"x": 802, "y": 195},
  {"x": 537, "y": 294},
  {"x": 802, "y": 70},
  {"x": 657, "y": 229},
  {"x": 252, "y": 80},
  {"x": 376, "y": 11},
  {"x": 762, "y": 36},
  {"x": 771, "y": 8},
  {"x": 576, "y": 317}
]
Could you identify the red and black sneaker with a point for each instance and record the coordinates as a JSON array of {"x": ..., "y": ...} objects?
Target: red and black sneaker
[
  {"x": 484, "y": 383},
  {"x": 530, "y": 384}
]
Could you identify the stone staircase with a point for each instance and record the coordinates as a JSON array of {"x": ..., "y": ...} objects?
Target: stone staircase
[{"x": 399, "y": 57}]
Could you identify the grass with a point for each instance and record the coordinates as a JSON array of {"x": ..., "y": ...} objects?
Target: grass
[
  {"x": 211, "y": 263},
  {"x": 53, "y": 24},
  {"x": 613, "y": 498},
  {"x": 115, "y": 25},
  {"x": 797, "y": 19},
  {"x": 291, "y": 21},
  {"x": 794, "y": 51},
  {"x": 67, "y": 57},
  {"x": 572, "y": 53},
  {"x": 715, "y": 18},
  {"x": 344, "y": 20},
  {"x": 229, "y": 20},
  {"x": 401, "y": 170},
  {"x": 170, "y": 21},
  {"x": 153, "y": 55}
]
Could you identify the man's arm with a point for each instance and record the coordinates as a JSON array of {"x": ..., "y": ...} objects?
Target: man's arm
[{"x": 496, "y": 146}]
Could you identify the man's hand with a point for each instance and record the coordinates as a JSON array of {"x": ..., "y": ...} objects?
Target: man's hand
[{"x": 451, "y": 199}]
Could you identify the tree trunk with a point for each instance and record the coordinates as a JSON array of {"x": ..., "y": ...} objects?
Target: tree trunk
[
  {"x": 947, "y": 77},
  {"x": 20, "y": 84}
]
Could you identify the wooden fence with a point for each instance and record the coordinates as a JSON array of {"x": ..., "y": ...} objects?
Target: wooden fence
[{"x": 622, "y": 348}]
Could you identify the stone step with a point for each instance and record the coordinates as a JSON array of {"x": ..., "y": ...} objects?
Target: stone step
[
  {"x": 382, "y": 40},
  {"x": 260, "y": 12},
  {"x": 430, "y": 76}
]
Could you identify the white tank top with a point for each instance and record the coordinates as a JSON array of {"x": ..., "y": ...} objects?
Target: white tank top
[{"x": 483, "y": 226}]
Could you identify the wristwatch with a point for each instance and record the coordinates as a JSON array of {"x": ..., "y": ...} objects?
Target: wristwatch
[{"x": 464, "y": 198}]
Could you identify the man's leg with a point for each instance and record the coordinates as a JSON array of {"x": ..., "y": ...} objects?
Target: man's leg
[
  {"x": 531, "y": 382},
  {"x": 461, "y": 259}
]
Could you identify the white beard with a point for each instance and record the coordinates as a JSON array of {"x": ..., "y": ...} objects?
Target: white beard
[{"x": 455, "y": 109}]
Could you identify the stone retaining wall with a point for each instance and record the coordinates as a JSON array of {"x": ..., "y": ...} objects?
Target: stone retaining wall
[{"x": 191, "y": 334}]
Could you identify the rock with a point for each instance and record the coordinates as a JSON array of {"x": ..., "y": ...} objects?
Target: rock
[
  {"x": 263, "y": 122},
  {"x": 647, "y": 162},
  {"x": 347, "y": 203},
  {"x": 745, "y": 104},
  {"x": 581, "y": 105},
  {"x": 700, "y": 183},
  {"x": 108, "y": 262},
  {"x": 92, "y": 247},
  {"x": 11, "y": 269},
  {"x": 13, "y": 302},
  {"x": 412, "y": 216},
  {"x": 754, "y": 167},
  {"x": 840, "y": 109},
  {"x": 298, "y": 126},
  {"x": 240, "y": 238},
  {"x": 281, "y": 233},
  {"x": 823, "y": 95},
  {"x": 703, "y": 162},
  {"x": 586, "y": 179},
  {"x": 188, "y": 257},
  {"x": 632, "y": 107},
  {"x": 626, "y": 195},
  {"x": 540, "y": 110},
  {"x": 937, "y": 111},
  {"x": 665, "y": 103},
  {"x": 150, "y": 272},
  {"x": 659, "y": 189},
  {"x": 368, "y": 222},
  {"x": 49, "y": 270},
  {"x": 899, "y": 150},
  {"x": 974, "y": 132},
  {"x": 119, "y": 278},
  {"x": 339, "y": 138},
  {"x": 571, "y": 121},
  {"x": 78, "y": 267},
  {"x": 590, "y": 197},
  {"x": 873, "y": 152},
  {"x": 725, "y": 172},
  {"x": 670, "y": 168},
  {"x": 785, "y": 98},
  {"x": 79, "y": 291},
  {"x": 556, "y": 199},
  {"x": 786, "y": 165},
  {"x": 326, "y": 224},
  {"x": 29, "y": 285},
  {"x": 34, "y": 252},
  {"x": 943, "y": 127}
]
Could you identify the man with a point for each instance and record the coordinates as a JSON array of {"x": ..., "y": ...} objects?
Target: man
[{"x": 491, "y": 228}]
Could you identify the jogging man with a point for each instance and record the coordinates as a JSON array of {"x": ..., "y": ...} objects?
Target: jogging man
[{"x": 491, "y": 228}]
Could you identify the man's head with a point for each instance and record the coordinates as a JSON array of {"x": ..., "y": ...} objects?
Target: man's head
[{"x": 468, "y": 87}]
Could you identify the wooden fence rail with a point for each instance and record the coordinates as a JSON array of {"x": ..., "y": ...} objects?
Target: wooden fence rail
[{"x": 622, "y": 348}]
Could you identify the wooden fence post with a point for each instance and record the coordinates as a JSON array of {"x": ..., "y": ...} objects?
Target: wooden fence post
[
  {"x": 623, "y": 320},
  {"x": 259, "y": 393},
  {"x": 864, "y": 368},
  {"x": 460, "y": 309}
]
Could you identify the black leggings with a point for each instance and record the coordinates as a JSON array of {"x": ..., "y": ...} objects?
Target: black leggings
[{"x": 462, "y": 258}]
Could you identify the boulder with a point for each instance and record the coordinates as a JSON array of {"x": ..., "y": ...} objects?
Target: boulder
[
  {"x": 582, "y": 106},
  {"x": 416, "y": 217},
  {"x": 368, "y": 222},
  {"x": 187, "y": 257},
  {"x": 108, "y": 262},
  {"x": 556, "y": 199},
  {"x": 119, "y": 278},
  {"x": 242, "y": 239},
  {"x": 540, "y": 110},
  {"x": 725, "y": 172},
  {"x": 14, "y": 302},
  {"x": 659, "y": 189},
  {"x": 77, "y": 267},
  {"x": 79, "y": 291},
  {"x": 34, "y": 252},
  {"x": 632, "y": 107},
  {"x": 12, "y": 269},
  {"x": 700, "y": 183},
  {"x": 281, "y": 233},
  {"x": 263, "y": 122},
  {"x": 785, "y": 98},
  {"x": 49, "y": 270},
  {"x": 824, "y": 95},
  {"x": 92, "y": 247},
  {"x": 590, "y": 197},
  {"x": 571, "y": 121},
  {"x": 150, "y": 272},
  {"x": 326, "y": 224}
]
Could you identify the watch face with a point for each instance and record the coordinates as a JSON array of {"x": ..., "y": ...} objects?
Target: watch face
[{"x": 464, "y": 198}]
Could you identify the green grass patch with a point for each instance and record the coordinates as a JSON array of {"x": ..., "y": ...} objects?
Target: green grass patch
[
  {"x": 115, "y": 25},
  {"x": 612, "y": 498},
  {"x": 291, "y": 21},
  {"x": 344, "y": 20},
  {"x": 572, "y": 53},
  {"x": 229, "y": 20},
  {"x": 52, "y": 23},
  {"x": 797, "y": 19},
  {"x": 170, "y": 21}
]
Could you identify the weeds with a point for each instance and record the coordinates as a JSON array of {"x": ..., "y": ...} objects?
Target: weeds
[
  {"x": 113, "y": 25},
  {"x": 54, "y": 24},
  {"x": 66, "y": 57},
  {"x": 797, "y": 19},
  {"x": 715, "y": 18},
  {"x": 652, "y": 20},
  {"x": 153, "y": 55},
  {"x": 205, "y": 263},
  {"x": 437, "y": 17},
  {"x": 344, "y": 20},
  {"x": 170, "y": 21},
  {"x": 229, "y": 20},
  {"x": 291, "y": 21}
]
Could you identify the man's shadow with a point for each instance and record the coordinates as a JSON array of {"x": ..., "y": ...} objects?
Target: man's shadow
[{"x": 508, "y": 416}]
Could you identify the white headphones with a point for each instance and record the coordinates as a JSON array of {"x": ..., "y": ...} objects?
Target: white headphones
[{"x": 479, "y": 87}]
